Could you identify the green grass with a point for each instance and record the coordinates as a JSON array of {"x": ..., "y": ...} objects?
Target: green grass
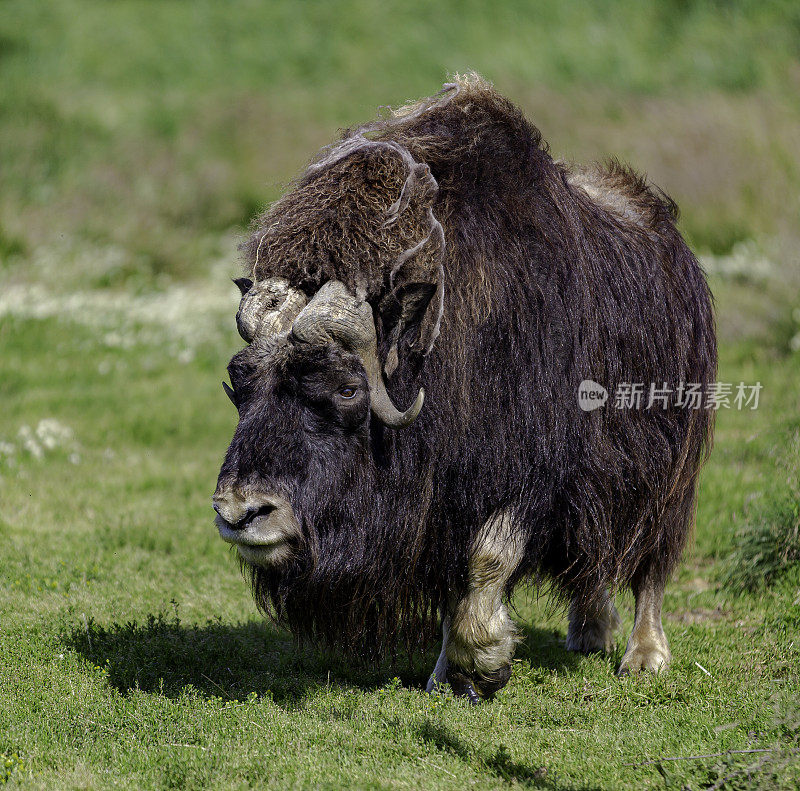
[
  {"x": 136, "y": 140},
  {"x": 767, "y": 546},
  {"x": 132, "y": 654}
]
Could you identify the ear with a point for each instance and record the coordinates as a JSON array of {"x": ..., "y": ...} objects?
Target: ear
[
  {"x": 410, "y": 316},
  {"x": 412, "y": 311},
  {"x": 244, "y": 284}
]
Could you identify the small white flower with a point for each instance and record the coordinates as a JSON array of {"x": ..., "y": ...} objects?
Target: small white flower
[
  {"x": 33, "y": 447},
  {"x": 53, "y": 434},
  {"x": 28, "y": 441}
]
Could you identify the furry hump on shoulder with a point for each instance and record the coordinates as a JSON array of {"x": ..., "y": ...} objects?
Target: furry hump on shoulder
[
  {"x": 381, "y": 199},
  {"x": 364, "y": 206}
]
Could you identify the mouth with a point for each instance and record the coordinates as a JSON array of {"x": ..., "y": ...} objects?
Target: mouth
[{"x": 262, "y": 542}]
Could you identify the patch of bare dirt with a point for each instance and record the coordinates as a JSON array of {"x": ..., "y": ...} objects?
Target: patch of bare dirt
[{"x": 698, "y": 615}]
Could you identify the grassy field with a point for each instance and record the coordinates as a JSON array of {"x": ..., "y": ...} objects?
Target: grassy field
[{"x": 136, "y": 141}]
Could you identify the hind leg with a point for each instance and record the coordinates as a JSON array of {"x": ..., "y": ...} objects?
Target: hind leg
[
  {"x": 647, "y": 647},
  {"x": 591, "y": 627},
  {"x": 479, "y": 635}
]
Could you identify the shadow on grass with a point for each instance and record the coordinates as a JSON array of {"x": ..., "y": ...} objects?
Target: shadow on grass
[
  {"x": 234, "y": 661},
  {"x": 497, "y": 762},
  {"x": 217, "y": 659},
  {"x": 544, "y": 648}
]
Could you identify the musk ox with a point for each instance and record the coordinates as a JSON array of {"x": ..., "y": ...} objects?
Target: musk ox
[{"x": 420, "y": 310}]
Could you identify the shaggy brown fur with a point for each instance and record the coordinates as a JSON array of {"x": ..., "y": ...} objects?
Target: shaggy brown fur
[{"x": 543, "y": 277}]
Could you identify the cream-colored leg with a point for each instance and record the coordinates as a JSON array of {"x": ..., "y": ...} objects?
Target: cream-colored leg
[{"x": 482, "y": 636}]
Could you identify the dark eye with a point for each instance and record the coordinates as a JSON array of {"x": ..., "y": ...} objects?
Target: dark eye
[{"x": 348, "y": 392}]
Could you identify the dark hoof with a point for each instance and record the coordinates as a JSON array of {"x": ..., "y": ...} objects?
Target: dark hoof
[
  {"x": 480, "y": 687},
  {"x": 463, "y": 687},
  {"x": 495, "y": 681}
]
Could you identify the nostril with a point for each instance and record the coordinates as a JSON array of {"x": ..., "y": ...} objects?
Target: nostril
[{"x": 253, "y": 513}]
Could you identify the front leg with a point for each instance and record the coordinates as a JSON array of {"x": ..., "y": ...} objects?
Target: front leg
[{"x": 479, "y": 635}]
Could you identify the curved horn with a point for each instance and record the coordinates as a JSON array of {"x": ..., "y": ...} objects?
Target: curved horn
[
  {"x": 268, "y": 307},
  {"x": 335, "y": 314}
]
